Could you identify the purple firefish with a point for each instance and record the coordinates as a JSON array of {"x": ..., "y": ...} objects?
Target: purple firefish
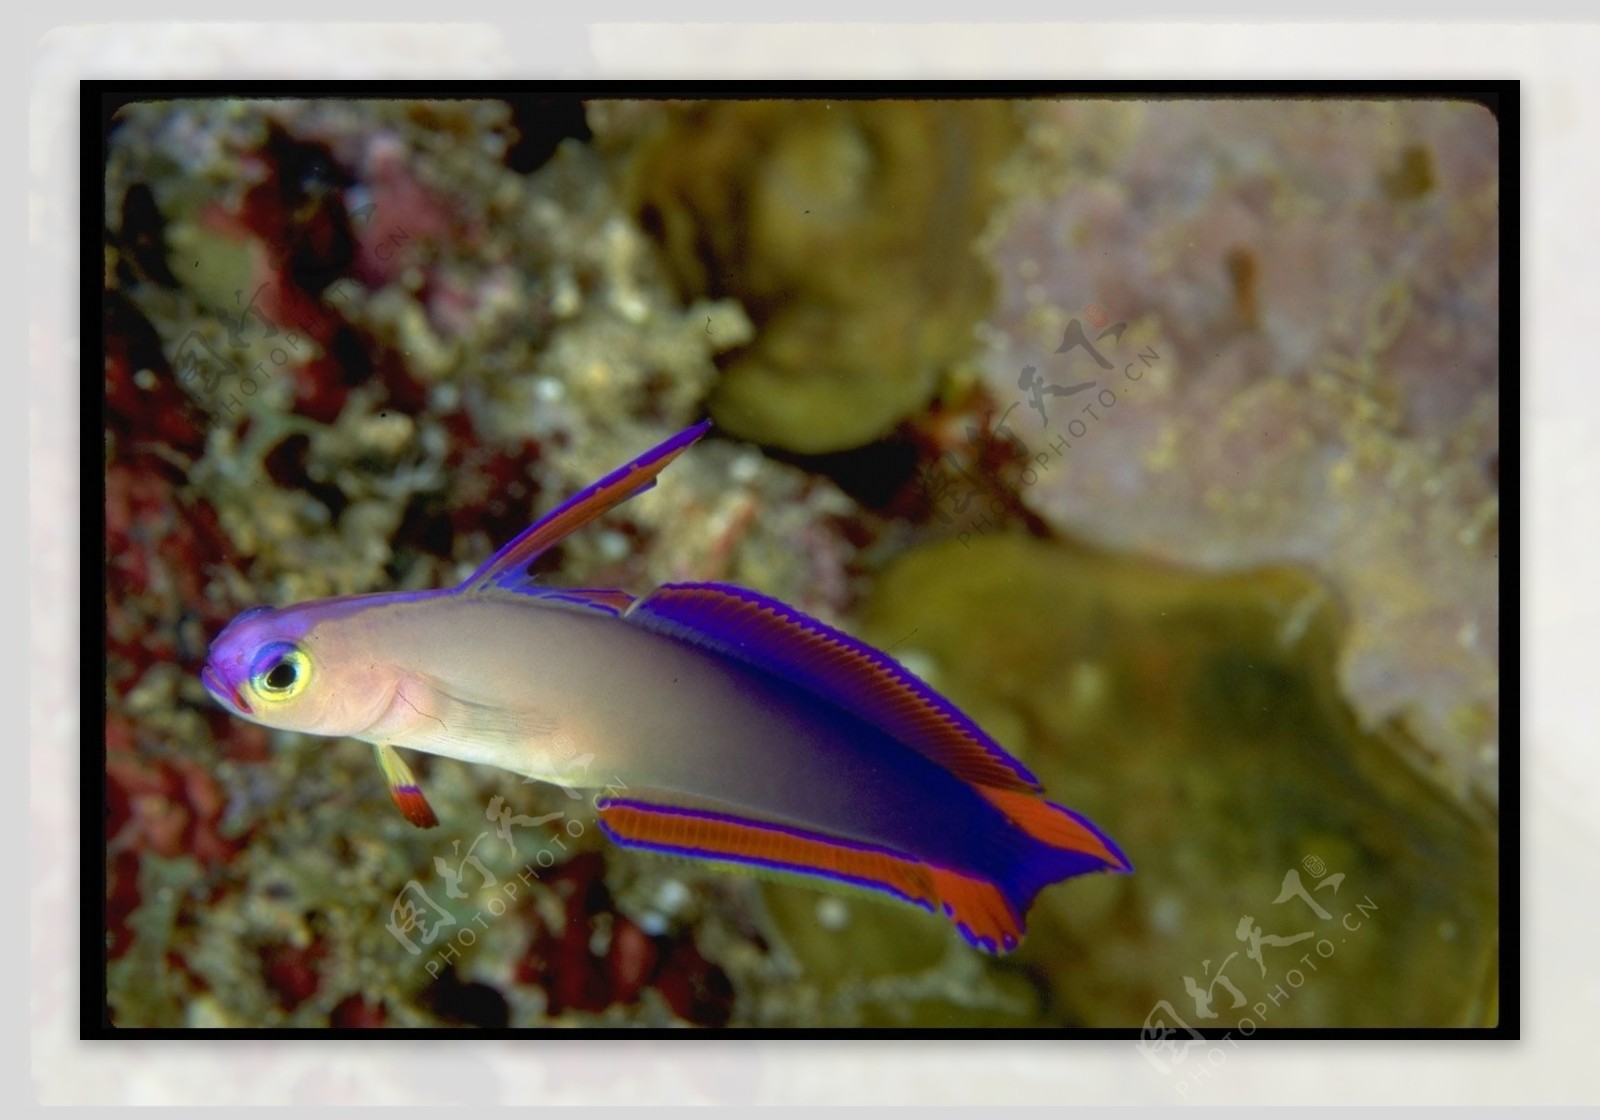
[{"x": 719, "y": 723}]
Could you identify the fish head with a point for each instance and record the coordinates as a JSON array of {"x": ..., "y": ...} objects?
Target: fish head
[{"x": 299, "y": 668}]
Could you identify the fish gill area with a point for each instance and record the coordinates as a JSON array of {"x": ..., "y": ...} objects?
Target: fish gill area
[{"x": 1161, "y": 437}]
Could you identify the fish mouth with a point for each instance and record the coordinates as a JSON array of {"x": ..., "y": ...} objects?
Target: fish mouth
[{"x": 228, "y": 698}]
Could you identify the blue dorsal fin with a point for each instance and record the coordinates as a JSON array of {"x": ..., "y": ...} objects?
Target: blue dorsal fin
[
  {"x": 780, "y": 640},
  {"x": 508, "y": 568}
]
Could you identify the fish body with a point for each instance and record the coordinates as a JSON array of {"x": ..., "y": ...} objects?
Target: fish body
[{"x": 720, "y": 724}]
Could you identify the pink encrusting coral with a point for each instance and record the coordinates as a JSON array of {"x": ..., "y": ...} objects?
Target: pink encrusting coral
[{"x": 1307, "y": 374}]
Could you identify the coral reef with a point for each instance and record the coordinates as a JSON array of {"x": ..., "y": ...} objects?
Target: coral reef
[
  {"x": 349, "y": 348},
  {"x": 355, "y": 347},
  {"x": 1243, "y": 334},
  {"x": 846, "y": 231}
]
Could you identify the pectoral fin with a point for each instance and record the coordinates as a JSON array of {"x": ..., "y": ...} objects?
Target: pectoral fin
[{"x": 403, "y": 787}]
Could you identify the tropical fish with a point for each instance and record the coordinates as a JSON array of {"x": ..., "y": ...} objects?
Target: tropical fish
[{"x": 722, "y": 724}]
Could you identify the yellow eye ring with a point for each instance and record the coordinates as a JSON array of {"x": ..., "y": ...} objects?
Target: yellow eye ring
[{"x": 282, "y": 672}]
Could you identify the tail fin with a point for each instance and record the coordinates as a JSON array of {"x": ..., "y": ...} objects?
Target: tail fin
[{"x": 1064, "y": 844}]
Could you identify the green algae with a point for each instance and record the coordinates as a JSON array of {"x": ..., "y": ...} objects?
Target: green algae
[
  {"x": 865, "y": 962},
  {"x": 142, "y": 988},
  {"x": 1197, "y": 720},
  {"x": 845, "y": 229}
]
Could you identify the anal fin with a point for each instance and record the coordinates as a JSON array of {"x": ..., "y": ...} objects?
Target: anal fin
[
  {"x": 976, "y": 906},
  {"x": 403, "y": 788}
]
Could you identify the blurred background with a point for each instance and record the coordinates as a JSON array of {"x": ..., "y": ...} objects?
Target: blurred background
[{"x": 1162, "y": 437}]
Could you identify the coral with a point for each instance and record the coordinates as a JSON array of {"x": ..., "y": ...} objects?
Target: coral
[
  {"x": 347, "y": 352},
  {"x": 1306, "y": 371},
  {"x": 846, "y": 231},
  {"x": 355, "y": 347}
]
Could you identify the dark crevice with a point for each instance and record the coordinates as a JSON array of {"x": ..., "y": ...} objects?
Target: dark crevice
[{"x": 541, "y": 123}]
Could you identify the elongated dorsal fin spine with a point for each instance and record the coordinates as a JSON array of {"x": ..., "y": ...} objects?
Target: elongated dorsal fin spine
[{"x": 508, "y": 568}]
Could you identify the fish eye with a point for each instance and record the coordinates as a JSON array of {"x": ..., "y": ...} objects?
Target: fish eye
[
  {"x": 281, "y": 671},
  {"x": 281, "y": 676}
]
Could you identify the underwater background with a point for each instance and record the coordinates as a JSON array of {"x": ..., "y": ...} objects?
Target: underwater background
[{"x": 1162, "y": 437}]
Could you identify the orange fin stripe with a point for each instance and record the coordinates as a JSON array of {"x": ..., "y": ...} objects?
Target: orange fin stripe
[
  {"x": 1053, "y": 825},
  {"x": 414, "y": 806},
  {"x": 975, "y": 905},
  {"x": 616, "y": 601},
  {"x": 403, "y": 788},
  {"x": 775, "y": 637}
]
